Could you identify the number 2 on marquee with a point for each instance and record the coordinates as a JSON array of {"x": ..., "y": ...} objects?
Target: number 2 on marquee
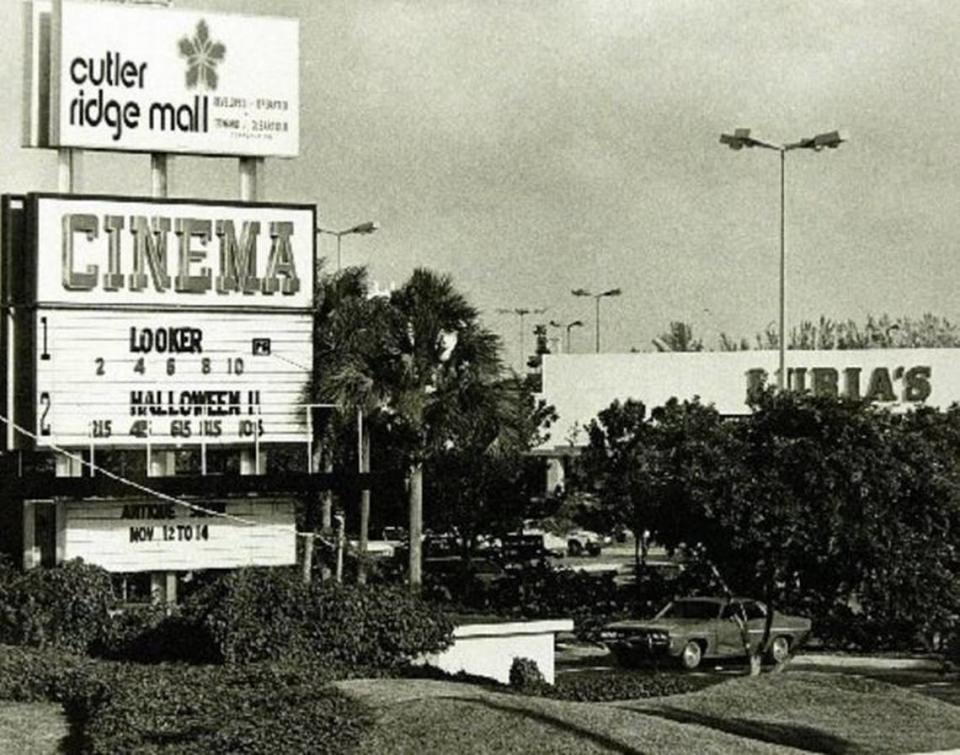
[{"x": 44, "y": 422}]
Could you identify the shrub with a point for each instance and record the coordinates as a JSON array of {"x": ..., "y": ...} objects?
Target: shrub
[
  {"x": 254, "y": 615},
  {"x": 596, "y": 688},
  {"x": 31, "y": 675},
  {"x": 148, "y": 634},
  {"x": 257, "y": 708},
  {"x": 65, "y": 607},
  {"x": 525, "y": 675},
  {"x": 377, "y": 625},
  {"x": 176, "y": 708},
  {"x": 250, "y": 615}
]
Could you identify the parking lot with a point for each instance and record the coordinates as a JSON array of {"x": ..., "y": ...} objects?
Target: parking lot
[{"x": 920, "y": 675}]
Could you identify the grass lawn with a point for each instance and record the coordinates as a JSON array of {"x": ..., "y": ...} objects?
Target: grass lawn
[
  {"x": 32, "y": 728},
  {"x": 791, "y": 712}
]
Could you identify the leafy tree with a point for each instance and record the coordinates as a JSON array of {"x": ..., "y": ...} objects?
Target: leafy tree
[
  {"x": 478, "y": 479},
  {"x": 615, "y": 467},
  {"x": 847, "y": 512}
]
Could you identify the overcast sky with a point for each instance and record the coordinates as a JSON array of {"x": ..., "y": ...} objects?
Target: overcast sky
[{"x": 532, "y": 147}]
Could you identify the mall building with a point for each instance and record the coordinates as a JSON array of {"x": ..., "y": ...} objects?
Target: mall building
[{"x": 579, "y": 386}]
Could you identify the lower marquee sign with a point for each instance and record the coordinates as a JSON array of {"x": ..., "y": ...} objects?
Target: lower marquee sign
[
  {"x": 138, "y": 535},
  {"x": 132, "y": 378}
]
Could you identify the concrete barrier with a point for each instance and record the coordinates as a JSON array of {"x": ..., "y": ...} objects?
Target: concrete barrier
[{"x": 489, "y": 649}]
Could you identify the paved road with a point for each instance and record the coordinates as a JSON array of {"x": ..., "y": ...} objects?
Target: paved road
[{"x": 577, "y": 657}]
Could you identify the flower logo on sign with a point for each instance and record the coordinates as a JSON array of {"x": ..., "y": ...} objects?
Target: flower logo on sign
[{"x": 202, "y": 56}]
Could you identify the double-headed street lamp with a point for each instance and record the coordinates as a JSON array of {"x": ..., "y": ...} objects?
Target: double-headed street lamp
[
  {"x": 521, "y": 312},
  {"x": 568, "y": 326},
  {"x": 362, "y": 228},
  {"x": 597, "y": 298},
  {"x": 738, "y": 140}
]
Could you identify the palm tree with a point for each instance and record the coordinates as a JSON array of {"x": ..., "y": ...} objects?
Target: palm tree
[
  {"x": 440, "y": 351},
  {"x": 352, "y": 332}
]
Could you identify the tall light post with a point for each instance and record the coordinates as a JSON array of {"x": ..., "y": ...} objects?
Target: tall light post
[
  {"x": 568, "y": 326},
  {"x": 597, "y": 298},
  {"x": 738, "y": 140},
  {"x": 362, "y": 228},
  {"x": 521, "y": 312}
]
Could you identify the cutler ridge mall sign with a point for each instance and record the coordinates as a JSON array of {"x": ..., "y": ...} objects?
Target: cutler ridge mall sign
[{"x": 148, "y": 79}]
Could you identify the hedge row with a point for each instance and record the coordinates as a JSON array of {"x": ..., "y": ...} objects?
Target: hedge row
[
  {"x": 262, "y": 614},
  {"x": 178, "y": 708},
  {"x": 246, "y": 616}
]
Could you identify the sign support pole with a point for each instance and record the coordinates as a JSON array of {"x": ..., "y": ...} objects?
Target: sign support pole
[
  {"x": 163, "y": 463},
  {"x": 65, "y": 466},
  {"x": 252, "y": 460}
]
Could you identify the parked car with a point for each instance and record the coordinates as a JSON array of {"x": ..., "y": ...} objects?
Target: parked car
[
  {"x": 375, "y": 548},
  {"x": 691, "y": 629},
  {"x": 531, "y": 545},
  {"x": 395, "y": 535},
  {"x": 485, "y": 571},
  {"x": 585, "y": 541}
]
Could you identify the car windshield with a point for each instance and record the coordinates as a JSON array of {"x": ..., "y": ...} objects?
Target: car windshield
[{"x": 691, "y": 609}]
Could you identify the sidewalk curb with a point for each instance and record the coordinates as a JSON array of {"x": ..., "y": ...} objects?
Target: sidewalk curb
[{"x": 867, "y": 662}]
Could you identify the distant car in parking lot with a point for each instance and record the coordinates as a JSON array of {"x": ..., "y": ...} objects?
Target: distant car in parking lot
[
  {"x": 395, "y": 535},
  {"x": 585, "y": 541},
  {"x": 485, "y": 571},
  {"x": 691, "y": 629}
]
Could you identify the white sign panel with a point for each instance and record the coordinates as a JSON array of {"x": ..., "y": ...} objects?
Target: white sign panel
[
  {"x": 154, "y": 535},
  {"x": 134, "y": 378},
  {"x": 36, "y": 73},
  {"x": 95, "y": 251},
  {"x": 579, "y": 386},
  {"x": 153, "y": 79}
]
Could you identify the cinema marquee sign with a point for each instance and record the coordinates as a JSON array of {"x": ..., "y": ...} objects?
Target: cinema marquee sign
[
  {"x": 170, "y": 322},
  {"x": 140, "y": 78},
  {"x": 147, "y": 535}
]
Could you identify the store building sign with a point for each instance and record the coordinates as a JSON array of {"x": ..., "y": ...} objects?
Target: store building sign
[
  {"x": 579, "y": 386},
  {"x": 151, "y": 535},
  {"x": 153, "y": 79}
]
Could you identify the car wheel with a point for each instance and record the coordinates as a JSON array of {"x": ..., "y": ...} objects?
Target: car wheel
[
  {"x": 691, "y": 655},
  {"x": 574, "y": 548},
  {"x": 779, "y": 650}
]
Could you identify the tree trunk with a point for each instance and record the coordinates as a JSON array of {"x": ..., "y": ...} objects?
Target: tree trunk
[
  {"x": 326, "y": 514},
  {"x": 364, "y": 510},
  {"x": 415, "y": 574}
]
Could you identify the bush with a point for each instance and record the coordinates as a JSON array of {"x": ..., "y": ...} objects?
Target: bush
[
  {"x": 66, "y": 607},
  {"x": 377, "y": 625},
  {"x": 258, "y": 708},
  {"x": 250, "y": 615},
  {"x": 254, "y": 615},
  {"x": 525, "y": 674},
  {"x": 31, "y": 675},
  {"x": 597, "y": 688},
  {"x": 175, "y": 708},
  {"x": 148, "y": 634}
]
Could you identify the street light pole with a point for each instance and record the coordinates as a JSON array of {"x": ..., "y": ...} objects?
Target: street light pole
[
  {"x": 361, "y": 228},
  {"x": 597, "y": 298},
  {"x": 521, "y": 312},
  {"x": 568, "y": 326},
  {"x": 782, "y": 338},
  {"x": 738, "y": 140},
  {"x": 574, "y": 324}
]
